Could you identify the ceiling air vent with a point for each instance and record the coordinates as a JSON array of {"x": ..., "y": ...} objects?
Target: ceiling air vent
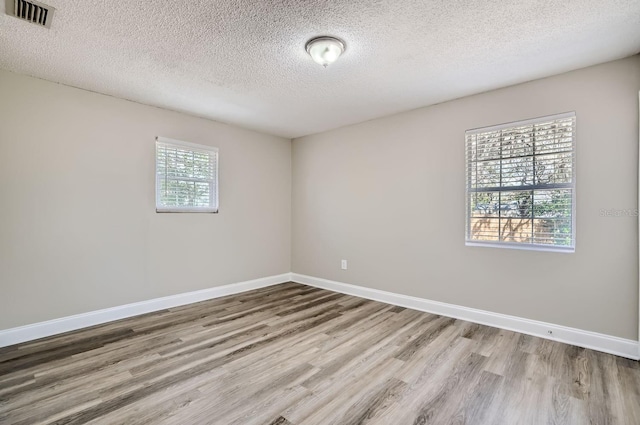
[{"x": 31, "y": 11}]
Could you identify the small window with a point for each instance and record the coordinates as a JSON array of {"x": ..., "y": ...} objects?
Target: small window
[
  {"x": 521, "y": 184},
  {"x": 186, "y": 177}
]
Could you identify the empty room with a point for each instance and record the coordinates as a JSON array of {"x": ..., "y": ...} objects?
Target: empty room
[{"x": 387, "y": 212}]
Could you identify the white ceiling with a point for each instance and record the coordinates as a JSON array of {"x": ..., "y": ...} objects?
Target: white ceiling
[{"x": 243, "y": 61}]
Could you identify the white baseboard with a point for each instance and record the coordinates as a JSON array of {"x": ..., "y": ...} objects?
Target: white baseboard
[
  {"x": 70, "y": 323},
  {"x": 595, "y": 341}
]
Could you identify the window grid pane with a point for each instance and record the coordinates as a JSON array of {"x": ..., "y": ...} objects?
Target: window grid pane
[
  {"x": 520, "y": 183},
  {"x": 186, "y": 177}
]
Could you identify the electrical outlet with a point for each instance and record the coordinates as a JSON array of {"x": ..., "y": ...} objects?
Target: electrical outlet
[{"x": 343, "y": 265}]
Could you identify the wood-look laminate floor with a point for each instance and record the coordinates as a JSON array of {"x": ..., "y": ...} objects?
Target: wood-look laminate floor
[{"x": 292, "y": 354}]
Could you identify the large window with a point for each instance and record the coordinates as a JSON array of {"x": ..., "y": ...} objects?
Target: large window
[
  {"x": 521, "y": 184},
  {"x": 186, "y": 177}
]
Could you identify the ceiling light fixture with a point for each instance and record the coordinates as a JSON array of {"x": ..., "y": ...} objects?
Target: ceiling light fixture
[{"x": 325, "y": 50}]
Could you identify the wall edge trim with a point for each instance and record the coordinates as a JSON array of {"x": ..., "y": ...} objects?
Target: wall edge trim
[
  {"x": 581, "y": 338},
  {"x": 52, "y": 327}
]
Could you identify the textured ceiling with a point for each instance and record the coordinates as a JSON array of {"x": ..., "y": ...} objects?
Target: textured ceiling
[{"x": 243, "y": 61}]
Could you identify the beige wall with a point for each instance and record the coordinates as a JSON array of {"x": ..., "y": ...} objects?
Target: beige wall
[
  {"x": 388, "y": 196},
  {"x": 78, "y": 228}
]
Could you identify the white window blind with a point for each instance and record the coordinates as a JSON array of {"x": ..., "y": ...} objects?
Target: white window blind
[
  {"x": 521, "y": 184},
  {"x": 186, "y": 177}
]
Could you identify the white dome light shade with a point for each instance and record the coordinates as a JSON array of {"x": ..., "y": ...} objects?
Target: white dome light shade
[{"x": 325, "y": 50}]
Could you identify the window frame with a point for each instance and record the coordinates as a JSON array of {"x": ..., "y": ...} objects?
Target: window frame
[
  {"x": 213, "y": 207},
  {"x": 523, "y": 245}
]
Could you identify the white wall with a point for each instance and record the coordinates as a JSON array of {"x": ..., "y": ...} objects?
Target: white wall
[
  {"x": 78, "y": 228},
  {"x": 388, "y": 196}
]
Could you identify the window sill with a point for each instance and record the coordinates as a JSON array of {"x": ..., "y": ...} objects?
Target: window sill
[
  {"x": 187, "y": 210},
  {"x": 529, "y": 247}
]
